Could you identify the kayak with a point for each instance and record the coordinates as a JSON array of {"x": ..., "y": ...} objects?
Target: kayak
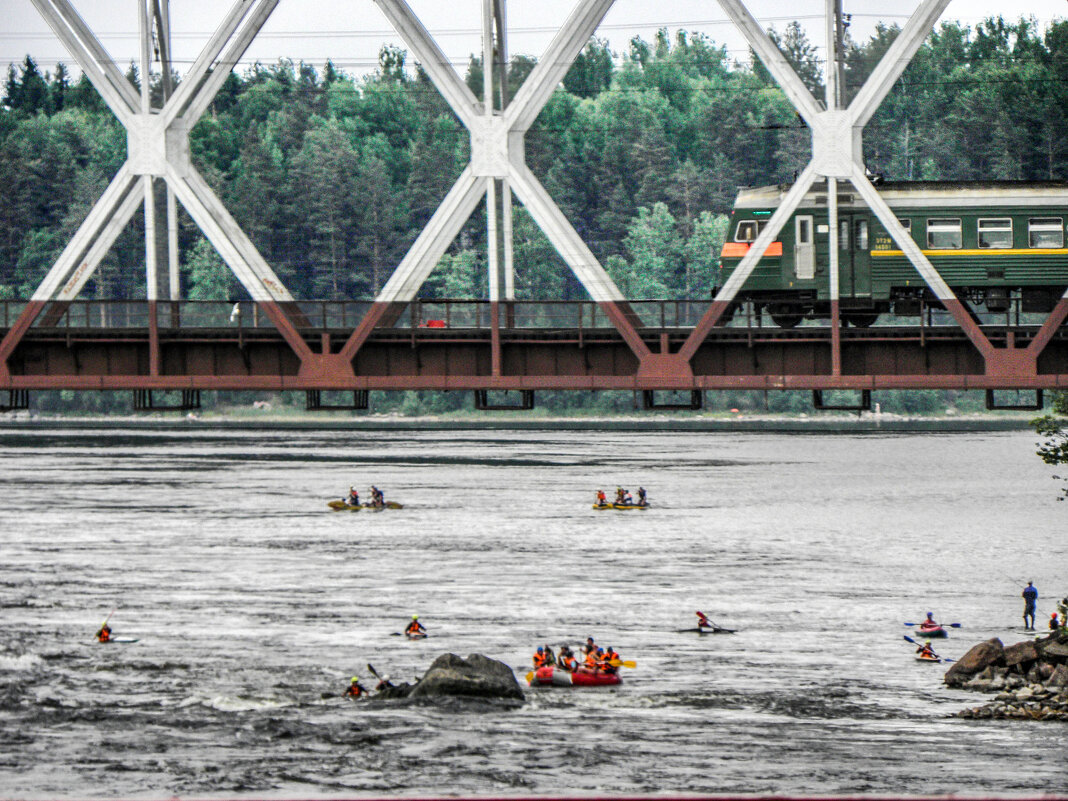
[
  {"x": 119, "y": 640},
  {"x": 552, "y": 676},
  {"x": 620, "y": 507},
  {"x": 716, "y": 630},
  {"x": 417, "y": 636},
  {"x": 931, "y": 631},
  {"x": 342, "y": 506},
  {"x": 922, "y": 658}
]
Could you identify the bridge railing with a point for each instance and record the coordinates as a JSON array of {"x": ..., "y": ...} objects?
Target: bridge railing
[{"x": 465, "y": 314}]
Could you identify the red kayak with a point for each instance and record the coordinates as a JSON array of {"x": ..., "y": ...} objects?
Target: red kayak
[
  {"x": 555, "y": 677},
  {"x": 931, "y": 630}
]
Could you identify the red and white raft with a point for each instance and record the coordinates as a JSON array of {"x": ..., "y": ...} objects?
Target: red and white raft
[{"x": 555, "y": 677}]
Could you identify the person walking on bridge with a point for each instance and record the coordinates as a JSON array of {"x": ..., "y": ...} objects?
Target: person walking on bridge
[{"x": 1030, "y": 596}]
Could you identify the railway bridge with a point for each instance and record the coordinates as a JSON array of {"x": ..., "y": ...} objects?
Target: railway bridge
[{"x": 57, "y": 340}]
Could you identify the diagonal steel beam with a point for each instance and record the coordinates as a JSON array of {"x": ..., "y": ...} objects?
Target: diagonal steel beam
[
  {"x": 205, "y": 94},
  {"x": 119, "y": 96},
  {"x": 208, "y": 55},
  {"x": 895, "y": 60},
  {"x": 554, "y": 64},
  {"x": 456, "y": 93},
  {"x": 749, "y": 262},
  {"x": 774, "y": 60},
  {"x": 926, "y": 270},
  {"x": 576, "y": 254}
]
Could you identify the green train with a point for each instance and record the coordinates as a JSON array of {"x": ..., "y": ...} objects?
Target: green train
[{"x": 995, "y": 243}]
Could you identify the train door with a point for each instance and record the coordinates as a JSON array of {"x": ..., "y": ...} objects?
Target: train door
[
  {"x": 804, "y": 248},
  {"x": 854, "y": 256}
]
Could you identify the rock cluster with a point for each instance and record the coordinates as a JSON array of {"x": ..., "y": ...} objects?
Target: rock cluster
[
  {"x": 1030, "y": 677},
  {"x": 477, "y": 676}
]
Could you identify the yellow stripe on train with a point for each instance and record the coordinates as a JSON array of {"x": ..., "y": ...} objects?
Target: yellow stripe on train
[{"x": 982, "y": 252}]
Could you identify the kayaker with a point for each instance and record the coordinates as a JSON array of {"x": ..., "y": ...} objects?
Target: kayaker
[
  {"x": 354, "y": 497},
  {"x": 415, "y": 627},
  {"x": 1030, "y": 596},
  {"x": 703, "y": 622},
  {"x": 641, "y": 497},
  {"x": 104, "y": 635},
  {"x": 384, "y": 683},
  {"x": 930, "y": 620},
  {"x": 355, "y": 690},
  {"x": 602, "y": 499},
  {"x": 1053, "y": 623},
  {"x": 926, "y": 651},
  {"x": 566, "y": 659}
]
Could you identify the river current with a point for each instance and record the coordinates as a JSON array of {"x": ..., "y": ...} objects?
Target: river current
[{"x": 253, "y": 604}]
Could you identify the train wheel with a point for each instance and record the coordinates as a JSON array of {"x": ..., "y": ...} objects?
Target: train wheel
[
  {"x": 861, "y": 319},
  {"x": 785, "y": 320}
]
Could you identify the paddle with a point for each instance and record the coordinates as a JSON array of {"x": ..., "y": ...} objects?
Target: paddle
[
  {"x": 629, "y": 663},
  {"x": 944, "y": 659}
]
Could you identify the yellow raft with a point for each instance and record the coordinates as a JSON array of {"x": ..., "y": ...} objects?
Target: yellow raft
[
  {"x": 619, "y": 507},
  {"x": 341, "y": 506}
]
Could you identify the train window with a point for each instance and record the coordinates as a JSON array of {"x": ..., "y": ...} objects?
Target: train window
[
  {"x": 995, "y": 232},
  {"x": 906, "y": 224},
  {"x": 1045, "y": 232},
  {"x": 862, "y": 234},
  {"x": 843, "y": 235},
  {"x": 748, "y": 230},
  {"x": 944, "y": 233},
  {"x": 804, "y": 230}
]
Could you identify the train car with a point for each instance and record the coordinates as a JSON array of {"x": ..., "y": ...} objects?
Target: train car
[{"x": 992, "y": 242}]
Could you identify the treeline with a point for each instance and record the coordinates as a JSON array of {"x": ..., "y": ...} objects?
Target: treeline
[{"x": 333, "y": 176}]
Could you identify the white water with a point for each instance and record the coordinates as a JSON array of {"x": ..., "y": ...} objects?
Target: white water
[{"x": 251, "y": 600}]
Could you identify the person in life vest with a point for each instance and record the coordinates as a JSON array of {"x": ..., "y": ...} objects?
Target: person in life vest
[
  {"x": 703, "y": 622},
  {"x": 415, "y": 627},
  {"x": 620, "y": 494},
  {"x": 610, "y": 656},
  {"x": 384, "y": 683},
  {"x": 566, "y": 659},
  {"x": 594, "y": 659},
  {"x": 1053, "y": 623},
  {"x": 628, "y": 499},
  {"x": 641, "y": 497},
  {"x": 355, "y": 690},
  {"x": 602, "y": 499},
  {"x": 540, "y": 659},
  {"x": 378, "y": 498},
  {"x": 550, "y": 655},
  {"x": 588, "y": 648},
  {"x": 930, "y": 622},
  {"x": 926, "y": 651},
  {"x": 104, "y": 635},
  {"x": 354, "y": 497}
]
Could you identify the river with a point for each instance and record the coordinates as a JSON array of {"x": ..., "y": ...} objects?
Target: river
[{"x": 253, "y": 604}]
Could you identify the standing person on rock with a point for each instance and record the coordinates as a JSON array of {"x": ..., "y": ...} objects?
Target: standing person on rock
[{"x": 1030, "y": 596}]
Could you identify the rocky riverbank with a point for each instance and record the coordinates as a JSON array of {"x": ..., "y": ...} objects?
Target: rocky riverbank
[{"x": 1030, "y": 678}]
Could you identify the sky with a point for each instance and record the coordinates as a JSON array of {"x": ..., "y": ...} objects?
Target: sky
[{"x": 351, "y": 32}]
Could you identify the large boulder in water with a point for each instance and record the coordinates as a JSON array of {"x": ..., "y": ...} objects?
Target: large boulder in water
[
  {"x": 475, "y": 677},
  {"x": 975, "y": 661}
]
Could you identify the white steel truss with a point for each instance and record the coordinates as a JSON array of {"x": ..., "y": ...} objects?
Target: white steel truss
[{"x": 158, "y": 148}]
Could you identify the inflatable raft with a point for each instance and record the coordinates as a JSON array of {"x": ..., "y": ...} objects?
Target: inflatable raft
[
  {"x": 552, "y": 676},
  {"x": 619, "y": 507},
  {"x": 341, "y": 506}
]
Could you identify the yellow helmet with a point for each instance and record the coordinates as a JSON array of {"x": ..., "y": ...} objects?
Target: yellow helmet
[
  {"x": 415, "y": 617},
  {"x": 355, "y": 679}
]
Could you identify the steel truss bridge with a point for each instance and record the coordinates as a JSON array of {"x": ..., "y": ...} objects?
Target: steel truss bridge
[{"x": 275, "y": 342}]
